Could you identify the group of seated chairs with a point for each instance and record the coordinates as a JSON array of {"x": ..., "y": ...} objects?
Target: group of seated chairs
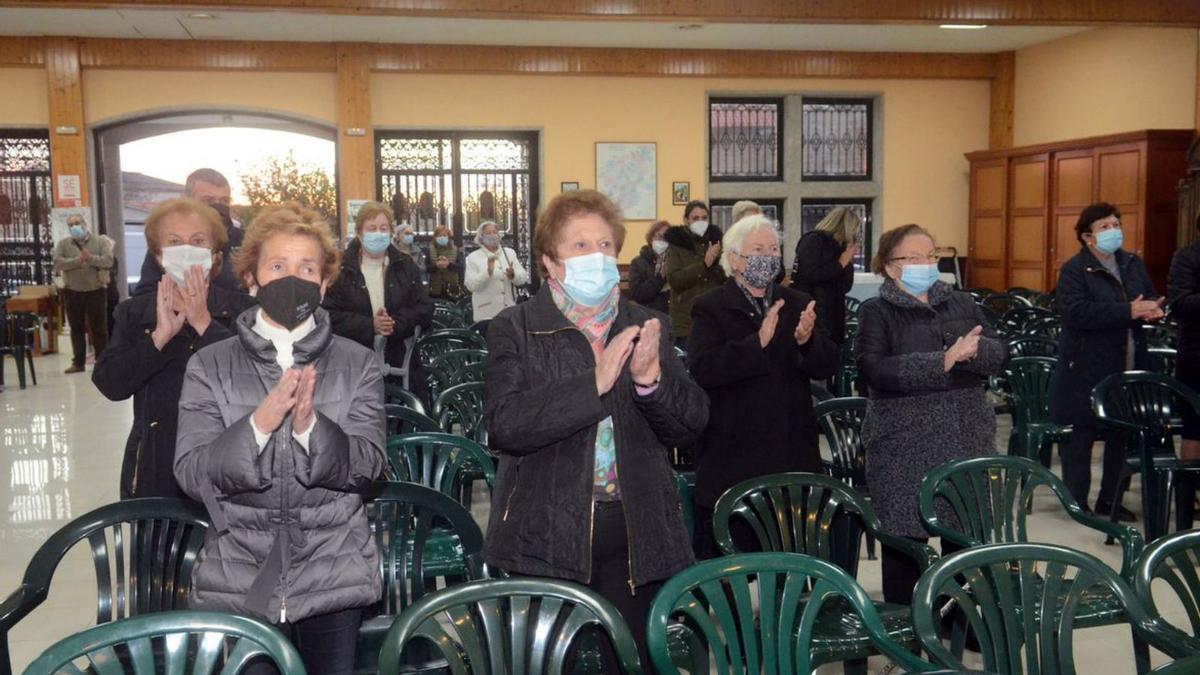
[{"x": 786, "y": 604}]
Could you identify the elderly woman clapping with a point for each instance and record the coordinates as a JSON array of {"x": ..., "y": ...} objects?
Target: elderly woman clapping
[
  {"x": 493, "y": 274},
  {"x": 754, "y": 347}
]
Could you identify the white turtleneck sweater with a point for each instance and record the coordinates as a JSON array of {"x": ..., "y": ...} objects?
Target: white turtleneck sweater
[{"x": 284, "y": 341}]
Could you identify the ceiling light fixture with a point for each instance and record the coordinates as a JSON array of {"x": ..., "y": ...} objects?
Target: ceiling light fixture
[
  {"x": 963, "y": 26},
  {"x": 690, "y": 26},
  {"x": 201, "y": 15}
]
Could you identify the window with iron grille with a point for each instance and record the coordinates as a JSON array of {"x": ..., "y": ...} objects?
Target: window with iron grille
[
  {"x": 745, "y": 141},
  {"x": 721, "y": 214},
  {"x": 813, "y": 211},
  {"x": 25, "y": 201},
  {"x": 836, "y": 139}
]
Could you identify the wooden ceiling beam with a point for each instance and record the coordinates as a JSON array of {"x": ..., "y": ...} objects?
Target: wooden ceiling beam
[{"x": 997, "y": 12}]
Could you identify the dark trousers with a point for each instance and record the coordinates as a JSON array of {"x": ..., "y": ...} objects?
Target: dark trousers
[
  {"x": 86, "y": 311},
  {"x": 325, "y": 642},
  {"x": 1077, "y": 465},
  {"x": 611, "y": 577},
  {"x": 900, "y": 572}
]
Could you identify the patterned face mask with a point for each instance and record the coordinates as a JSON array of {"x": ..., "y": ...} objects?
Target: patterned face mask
[{"x": 761, "y": 270}]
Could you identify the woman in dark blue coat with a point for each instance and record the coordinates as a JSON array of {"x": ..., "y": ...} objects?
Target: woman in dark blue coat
[{"x": 1104, "y": 295}]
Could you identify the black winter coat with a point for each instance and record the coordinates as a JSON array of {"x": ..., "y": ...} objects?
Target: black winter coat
[
  {"x": 541, "y": 409},
  {"x": 1183, "y": 291},
  {"x": 760, "y": 420},
  {"x": 817, "y": 271},
  {"x": 404, "y": 296},
  {"x": 687, "y": 274},
  {"x": 645, "y": 287},
  {"x": 1094, "y": 307},
  {"x": 130, "y": 366}
]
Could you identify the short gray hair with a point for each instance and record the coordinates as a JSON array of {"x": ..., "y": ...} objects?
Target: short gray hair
[
  {"x": 744, "y": 208},
  {"x": 732, "y": 242},
  {"x": 479, "y": 232}
]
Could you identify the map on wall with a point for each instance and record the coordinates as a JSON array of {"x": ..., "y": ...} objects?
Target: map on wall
[{"x": 626, "y": 173}]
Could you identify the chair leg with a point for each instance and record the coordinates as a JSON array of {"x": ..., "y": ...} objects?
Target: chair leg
[
  {"x": 1, "y": 369},
  {"x": 1141, "y": 654},
  {"x": 1119, "y": 494},
  {"x": 19, "y": 357},
  {"x": 32, "y": 372},
  {"x": 870, "y": 546}
]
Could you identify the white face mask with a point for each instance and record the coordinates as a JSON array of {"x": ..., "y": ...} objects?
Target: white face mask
[
  {"x": 177, "y": 259},
  {"x": 699, "y": 227},
  {"x": 659, "y": 246}
]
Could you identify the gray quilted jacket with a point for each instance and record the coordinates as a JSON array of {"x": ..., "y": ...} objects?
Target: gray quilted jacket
[{"x": 289, "y": 529}]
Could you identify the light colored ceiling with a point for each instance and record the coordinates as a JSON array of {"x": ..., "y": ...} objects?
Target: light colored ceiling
[{"x": 310, "y": 27}]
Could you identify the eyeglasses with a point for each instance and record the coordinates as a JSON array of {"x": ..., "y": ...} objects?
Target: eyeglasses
[{"x": 930, "y": 259}]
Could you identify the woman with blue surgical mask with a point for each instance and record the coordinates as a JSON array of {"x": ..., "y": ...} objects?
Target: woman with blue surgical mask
[
  {"x": 585, "y": 398},
  {"x": 155, "y": 333},
  {"x": 925, "y": 351},
  {"x": 379, "y": 294},
  {"x": 1104, "y": 295}
]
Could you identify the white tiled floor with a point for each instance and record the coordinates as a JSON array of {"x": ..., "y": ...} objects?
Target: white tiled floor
[{"x": 61, "y": 444}]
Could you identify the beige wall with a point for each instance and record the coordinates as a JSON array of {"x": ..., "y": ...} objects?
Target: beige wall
[
  {"x": 1105, "y": 81},
  {"x": 26, "y": 101},
  {"x": 924, "y": 172}
]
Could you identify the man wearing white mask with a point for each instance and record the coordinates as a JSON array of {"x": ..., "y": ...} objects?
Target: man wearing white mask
[
  {"x": 692, "y": 265},
  {"x": 156, "y": 333},
  {"x": 84, "y": 260},
  {"x": 493, "y": 274}
]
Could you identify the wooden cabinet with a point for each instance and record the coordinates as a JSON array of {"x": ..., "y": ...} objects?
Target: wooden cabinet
[{"x": 1025, "y": 201}]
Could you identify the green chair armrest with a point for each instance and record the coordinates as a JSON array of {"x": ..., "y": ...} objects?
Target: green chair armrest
[
  {"x": 1132, "y": 541},
  {"x": 1170, "y": 640},
  {"x": 924, "y": 554},
  {"x": 18, "y": 604}
]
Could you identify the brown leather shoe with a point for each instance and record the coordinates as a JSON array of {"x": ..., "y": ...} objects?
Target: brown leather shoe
[{"x": 73, "y": 369}]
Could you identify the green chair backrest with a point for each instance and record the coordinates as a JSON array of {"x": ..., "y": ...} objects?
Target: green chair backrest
[
  {"x": 1146, "y": 405},
  {"x": 1028, "y": 381},
  {"x": 208, "y": 642},
  {"x": 841, "y": 422},
  {"x": 1001, "y": 591},
  {"x": 1161, "y": 335},
  {"x": 1161, "y": 360},
  {"x": 755, "y": 613},
  {"x": 394, "y": 394},
  {"x": 1044, "y": 326},
  {"x": 447, "y": 368},
  {"x": 446, "y": 317},
  {"x": 985, "y": 500},
  {"x": 852, "y": 305},
  {"x": 437, "y": 460},
  {"x": 405, "y": 420},
  {"x": 143, "y": 550},
  {"x": 441, "y": 341},
  {"x": 1000, "y": 303},
  {"x": 1175, "y": 560},
  {"x": 796, "y": 513},
  {"x": 459, "y": 410},
  {"x": 409, "y": 523},
  {"x": 1033, "y": 345},
  {"x": 502, "y": 626}
]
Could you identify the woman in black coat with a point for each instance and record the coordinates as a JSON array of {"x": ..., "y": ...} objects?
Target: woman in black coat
[
  {"x": 824, "y": 267},
  {"x": 396, "y": 306},
  {"x": 1103, "y": 295},
  {"x": 1183, "y": 293},
  {"x": 156, "y": 332},
  {"x": 585, "y": 397},
  {"x": 648, "y": 272},
  {"x": 754, "y": 347}
]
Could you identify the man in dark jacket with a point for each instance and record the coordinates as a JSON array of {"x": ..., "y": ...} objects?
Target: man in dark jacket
[
  {"x": 212, "y": 188},
  {"x": 691, "y": 264},
  {"x": 405, "y": 299},
  {"x": 1104, "y": 294}
]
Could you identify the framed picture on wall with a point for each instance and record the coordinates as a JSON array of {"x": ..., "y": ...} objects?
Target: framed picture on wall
[
  {"x": 571, "y": 186},
  {"x": 681, "y": 192},
  {"x": 627, "y": 173}
]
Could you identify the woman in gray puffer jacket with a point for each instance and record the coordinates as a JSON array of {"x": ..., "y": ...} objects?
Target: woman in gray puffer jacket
[{"x": 280, "y": 429}]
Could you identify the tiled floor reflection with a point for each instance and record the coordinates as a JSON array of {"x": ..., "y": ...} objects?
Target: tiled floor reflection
[{"x": 60, "y": 455}]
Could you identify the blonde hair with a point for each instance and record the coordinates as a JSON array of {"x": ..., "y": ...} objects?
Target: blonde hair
[
  {"x": 288, "y": 218},
  {"x": 368, "y": 212},
  {"x": 842, "y": 223},
  {"x": 744, "y": 208},
  {"x": 731, "y": 243}
]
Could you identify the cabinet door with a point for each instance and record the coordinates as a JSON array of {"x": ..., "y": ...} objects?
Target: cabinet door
[
  {"x": 1029, "y": 178},
  {"x": 1073, "y": 182},
  {"x": 1120, "y": 179},
  {"x": 987, "y": 231}
]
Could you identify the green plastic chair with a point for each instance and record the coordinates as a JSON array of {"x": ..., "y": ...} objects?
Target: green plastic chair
[
  {"x": 1002, "y": 591},
  {"x": 852, "y": 306},
  {"x": 446, "y": 317},
  {"x": 1001, "y": 303},
  {"x": 394, "y": 394},
  {"x": 1144, "y": 408},
  {"x": 1044, "y": 326},
  {"x": 502, "y": 626},
  {"x": 1032, "y": 345},
  {"x": 208, "y": 642},
  {"x": 1028, "y": 380},
  {"x": 425, "y": 539},
  {"x": 1185, "y": 666},
  {"x": 402, "y": 420},
  {"x": 1175, "y": 560},
  {"x": 455, "y": 367},
  {"x": 824, "y": 518},
  {"x": 841, "y": 422},
  {"x": 438, "y": 342},
  {"x": 1160, "y": 335},
  {"x": 1161, "y": 360},
  {"x": 443, "y": 462},
  {"x": 757, "y": 613},
  {"x": 144, "y": 551},
  {"x": 459, "y": 410}
]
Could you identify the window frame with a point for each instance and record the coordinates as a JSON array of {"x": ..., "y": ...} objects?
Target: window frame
[
  {"x": 840, "y": 100},
  {"x": 868, "y": 233},
  {"x": 780, "y": 103}
]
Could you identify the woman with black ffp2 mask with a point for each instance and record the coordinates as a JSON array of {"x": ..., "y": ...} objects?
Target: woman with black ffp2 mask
[{"x": 282, "y": 480}]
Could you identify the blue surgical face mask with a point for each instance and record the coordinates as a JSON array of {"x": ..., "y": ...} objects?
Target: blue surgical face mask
[
  {"x": 408, "y": 239},
  {"x": 590, "y": 278},
  {"x": 918, "y": 279},
  {"x": 376, "y": 242},
  {"x": 78, "y": 232},
  {"x": 442, "y": 241},
  {"x": 1108, "y": 241}
]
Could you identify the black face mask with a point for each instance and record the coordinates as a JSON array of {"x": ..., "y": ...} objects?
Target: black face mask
[
  {"x": 223, "y": 211},
  {"x": 289, "y": 300}
]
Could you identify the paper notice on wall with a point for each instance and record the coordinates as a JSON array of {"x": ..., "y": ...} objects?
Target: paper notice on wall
[
  {"x": 69, "y": 188},
  {"x": 352, "y": 207}
]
